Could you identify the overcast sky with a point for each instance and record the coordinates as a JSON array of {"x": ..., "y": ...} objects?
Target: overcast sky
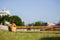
[{"x": 33, "y": 10}]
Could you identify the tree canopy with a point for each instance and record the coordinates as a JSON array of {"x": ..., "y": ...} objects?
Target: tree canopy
[
  {"x": 17, "y": 20},
  {"x": 38, "y": 24},
  {"x": 58, "y": 24}
]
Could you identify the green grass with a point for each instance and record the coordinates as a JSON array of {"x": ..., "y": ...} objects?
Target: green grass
[{"x": 42, "y": 35}]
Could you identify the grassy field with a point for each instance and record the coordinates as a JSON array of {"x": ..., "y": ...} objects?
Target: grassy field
[{"x": 42, "y": 35}]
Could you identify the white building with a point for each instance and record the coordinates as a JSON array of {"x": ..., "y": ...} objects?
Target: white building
[
  {"x": 4, "y": 12},
  {"x": 50, "y": 23}
]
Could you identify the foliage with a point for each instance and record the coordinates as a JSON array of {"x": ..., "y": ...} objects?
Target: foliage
[
  {"x": 4, "y": 18},
  {"x": 32, "y": 24},
  {"x": 0, "y": 19},
  {"x": 58, "y": 24},
  {"x": 7, "y": 18},
  {"x": 23, "y": 24},
  {"x": 16, "y": 20},
  {"x": 44, "y": 24},
  {"x": 38, "y": 24}
]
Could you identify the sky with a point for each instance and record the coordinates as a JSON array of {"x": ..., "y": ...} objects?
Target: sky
[{"x": 31, "y": 11}]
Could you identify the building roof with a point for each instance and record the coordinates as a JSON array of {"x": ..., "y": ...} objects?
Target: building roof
[{"x": 4, "y": 12}]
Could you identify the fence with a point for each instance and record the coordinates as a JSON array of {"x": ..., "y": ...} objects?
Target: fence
[{"x": 37, "y": 28}]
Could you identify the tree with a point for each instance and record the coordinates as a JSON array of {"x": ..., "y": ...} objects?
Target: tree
[
  {"x": 0, "y": 19},
  {"x": 17, "y": 20},
  {"x": 44, "y": 24},
  {"x": 58, "y": 24},
  {"x": 23, "y": 24},
  {"x": 38, "y": 24},
  {"x": 31, "y": 24},
  {"x": 4, "y": 18},
  {"x": 7, "y": 18}
]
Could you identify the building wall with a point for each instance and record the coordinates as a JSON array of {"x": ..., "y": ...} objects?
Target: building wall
[
  {"x": 4, "y": 12},
  {"x": 2, "y": 27}
]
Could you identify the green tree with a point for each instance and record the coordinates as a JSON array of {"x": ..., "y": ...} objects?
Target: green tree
[
  {"x": 38, "y": 24},
  {"x": 0, "y": 19},
  {"x": 17, "y": 20},
  {"x": 23, "y": 24},
  {"x": 58, "y": 24},
  {"x": 7, "y": 18},
  {"x": 31, "y": 24}
]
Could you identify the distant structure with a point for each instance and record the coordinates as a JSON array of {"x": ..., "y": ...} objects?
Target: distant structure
[
  {"x": 50, "y": 24},
  {"x": 4, "y": 12}
]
